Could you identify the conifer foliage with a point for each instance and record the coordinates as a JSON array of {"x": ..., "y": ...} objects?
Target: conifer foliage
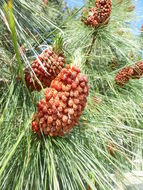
[{"x": 67, "y": 136}]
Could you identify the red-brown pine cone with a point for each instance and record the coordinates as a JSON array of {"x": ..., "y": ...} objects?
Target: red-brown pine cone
[
  {"x": 46, "y": 67},
  {"x": 124, "y": 75},
  {"x": 100, "y": 14},
  {"x": 138, "y": 70},
  {"x": 64, "y": 103}
]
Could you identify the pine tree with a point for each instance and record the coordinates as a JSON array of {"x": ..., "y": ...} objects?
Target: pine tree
[{"x": 108, "y": 136}]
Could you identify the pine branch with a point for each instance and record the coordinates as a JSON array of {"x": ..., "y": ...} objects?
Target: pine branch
[
  {"x": 9, "y": 13},
  {"x": 111, "y": 123},
  {"x": 90, "y": 48}
]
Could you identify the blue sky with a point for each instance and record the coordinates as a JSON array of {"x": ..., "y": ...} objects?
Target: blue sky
[
  {"x": 75, "y": 3},
  {"x": 139, "y": 9}
]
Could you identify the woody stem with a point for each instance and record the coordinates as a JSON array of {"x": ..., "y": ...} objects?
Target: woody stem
[{"x": 90, "y": 48}]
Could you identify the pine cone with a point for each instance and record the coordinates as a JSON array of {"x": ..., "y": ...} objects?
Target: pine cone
[
  {"x": 124, "y": 75},
  {"x": 138, "y": 70},
  {"x": 64, "y": 103},
  {"x": 99, "y": 14},
  {"x": 46, "y": 67}
]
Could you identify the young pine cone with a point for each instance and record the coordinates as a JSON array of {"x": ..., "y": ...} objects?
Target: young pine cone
[
  {"x": 64, "y": 103},
  {"x": 124, "y": 75},
  {"x": 138, "y": 70},
  {"x": 99, "y": 14},
  {"x": 46, "y": 67}
]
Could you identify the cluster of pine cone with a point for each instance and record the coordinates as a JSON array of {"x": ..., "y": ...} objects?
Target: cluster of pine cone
[
  {"x": 99, "y": 14},
  {"x": 45, "y": 68},
  {"x": 63, "y": 104},
  {"x": 125, "y": 74}
]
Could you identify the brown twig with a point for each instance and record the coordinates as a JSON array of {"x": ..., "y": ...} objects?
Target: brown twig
[{"x": 90, "y": 48}]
